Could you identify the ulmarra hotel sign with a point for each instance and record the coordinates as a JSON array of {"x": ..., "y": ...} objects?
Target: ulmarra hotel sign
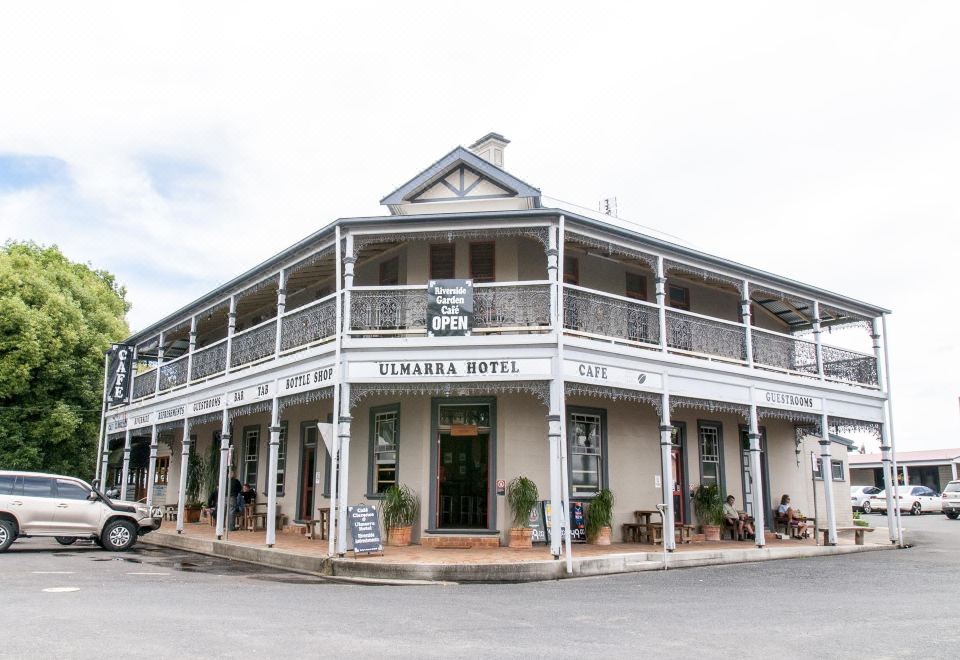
[
  {"x": 449, "y": 308},
  {"x": 517, "y": 368}
]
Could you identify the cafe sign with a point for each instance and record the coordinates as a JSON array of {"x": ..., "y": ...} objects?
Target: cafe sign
[
  {"x": 449, "y": 308},
  {"x": 603, "y": 374}
]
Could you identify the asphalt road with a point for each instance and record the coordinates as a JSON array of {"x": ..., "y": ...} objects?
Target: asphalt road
[{"x": 84, "y": 602}]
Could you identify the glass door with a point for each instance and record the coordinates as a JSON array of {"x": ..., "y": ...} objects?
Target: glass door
[{"x": 463, "y": 459}]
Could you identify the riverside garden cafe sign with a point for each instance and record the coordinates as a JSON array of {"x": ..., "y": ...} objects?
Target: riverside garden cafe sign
[{"x": 449, "y": 308}]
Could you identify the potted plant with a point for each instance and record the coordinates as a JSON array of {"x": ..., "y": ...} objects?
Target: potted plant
[
  {"x": 196, "y": 484},
  {"x": 708, "y": 507},
  {"x": 400, "y": 509},
  {"x": 522, "y": 496},
  {"x": 600, "y": 518}
]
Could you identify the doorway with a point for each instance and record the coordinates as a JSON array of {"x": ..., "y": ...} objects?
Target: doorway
[
  {"x": 678, "y": 467},
  {"x": 308, "y": 470},
  {"x": 463, "y": 456},
  {"x": 746, "y": 472}
]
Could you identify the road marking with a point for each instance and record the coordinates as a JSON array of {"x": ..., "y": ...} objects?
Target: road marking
[
  {"x": 52, "y": 572},
  {"x": 61, "y": 590},
  {"x": 144, "y": 573}
]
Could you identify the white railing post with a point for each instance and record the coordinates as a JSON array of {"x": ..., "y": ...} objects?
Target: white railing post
[
  {"x": 817, "y": 331},
  {"x": 889, "y": 419},
  {"x": 192, "y": 348},
  {"x": 556, "y": 283},
  {"x": 156, "y": 389},
  {"x": 661, "y": 282},
  {"x": 281, "y": 307},
  {"x": 884, "y": 435},
  {"x": 746, "y": 317},
  {"x": 231, "y": 328},
  {"x": 223, "y": 484},
  {"x": 340, "y": 332}
]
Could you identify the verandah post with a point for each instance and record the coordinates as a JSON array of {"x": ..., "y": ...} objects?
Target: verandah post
[
  {"x": 152, "y": 467},
  {"x": 184, "y": 461},
  {"x": 666, "y": 467},
  {"x": 756, "y": 475},
  {"x": 826, "y": 471},
  {"x": 271, "y": 524},
  {"x": 222, "y": 475},
  {"x": 126, "y": 463}
]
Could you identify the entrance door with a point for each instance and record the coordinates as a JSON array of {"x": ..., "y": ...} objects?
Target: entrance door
[
  {"x": 463, "y": 474},
  {"x": 308, "y": 470},
  {"x": 677, "y": 467},
  {"x": 749, "y": 486}
]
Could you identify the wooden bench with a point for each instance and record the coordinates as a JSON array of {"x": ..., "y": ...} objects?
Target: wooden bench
[
  {"x": 682, "y": 533},
  {"x": 857, "y": 533}
]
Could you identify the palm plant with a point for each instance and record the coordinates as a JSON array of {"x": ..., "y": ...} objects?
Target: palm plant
[
  {"x": 708, "y": 505},
  {"x": 600, "y": 513},
  {"x": 400, "y": 507},
  {"x": 522, "y": 496}
]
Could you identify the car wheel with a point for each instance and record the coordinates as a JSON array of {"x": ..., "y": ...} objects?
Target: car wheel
[
  {"x": 8, "y": 533},
  {"x": 66, "y": 540},
  {"x": 952, "y": 515},
  {"x": 118, "y": 536},
  {"x": 916, "y": 509},
  {"x": 866, "y": 507}
]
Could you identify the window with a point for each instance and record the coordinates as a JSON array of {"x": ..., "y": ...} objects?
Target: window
[
  {"x": 571, "y": 270},
  {"x": 836, "y": 467},
  {"x": 587, "y": 439},
  {"x": 636, "y": 286},
  {"x": 443, "y": 261},
  {"x": 251, "y": 455},
  {"x": 35, "y": 487},
  {"x": 384, "y": 449},
  {"x": 710, "y": 439},
  {"x": 6, "y": 484},
  {"x": 162, "y": 474},
  {"x": 282, "y": 460},
  {"x": 390, "y": 272},
  {"x": 678, "y": 297},
  {"x": 483, "y": 262},
  {"x": 71, "y": 490}
]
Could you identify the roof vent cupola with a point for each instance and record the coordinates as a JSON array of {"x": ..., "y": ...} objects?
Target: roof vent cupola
[{"x": 490, "y": 148}]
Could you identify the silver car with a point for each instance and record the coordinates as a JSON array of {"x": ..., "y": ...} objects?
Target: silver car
[
  {"x": 66, "y": 508},
  {"x": 860, "y": 497},
  {"x": 950, "y": 500}
]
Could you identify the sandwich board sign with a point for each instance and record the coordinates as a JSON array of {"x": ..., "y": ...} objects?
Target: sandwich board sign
[{"x": 365, "y": 529}]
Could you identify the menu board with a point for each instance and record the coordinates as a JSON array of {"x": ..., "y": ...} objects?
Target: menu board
[
  {"x": 575, "y": 522},
  {"x": 365, "y": 528},
  {"x": 537, "y": 523}
]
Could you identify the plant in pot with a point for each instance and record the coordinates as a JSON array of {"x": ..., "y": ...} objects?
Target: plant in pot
[
  {"x": 522, "y": 496},
  {"x": 196, "y": 484},
  {"x": 400, "y": 509},
  {"x": 600, "y": 518},
  {"x": 708, "y": 507}
]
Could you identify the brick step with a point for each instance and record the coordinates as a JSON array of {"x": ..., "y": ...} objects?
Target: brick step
[{"x": 460, "y": 541}]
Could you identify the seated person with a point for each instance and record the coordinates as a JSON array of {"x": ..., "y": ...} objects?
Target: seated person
[
  {"x": 786, "y": 514},
  {"x": 248, "y": 494},
  {"x": 737, "y": 519},
  {"x": 211, "y": 509}
]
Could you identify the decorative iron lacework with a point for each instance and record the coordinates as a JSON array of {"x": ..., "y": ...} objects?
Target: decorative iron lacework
[
  {"x": 702, "y": 273},
  {"x": 799, "y": 418},
  {"x": 183, "y": 324},
  {"x": 144, "y": 384},
  {"x": 254, "y": 344},
  {"x": 846, "y": 319},
  {"x": 612, "y": 249},
  {"x": 210, "y": 311},
  {"x": 312, "y": 259},
  {"x": 793, "y": 354},
  {"x": 305, "y": 326},
  {"x": 206, "y": 418},
  {"x": 614, "y": 394},
  {"x": 710, "y": 406},
  {"x": 804, "y": 306},
  {"x": 306, "y": 397},
  {"x": 610, "y": 317},
  {"x": 250, "y": 409},
  {"x": 209, "y": 360},
  {"x": 537, "y": 388},
  {"x": 262, "y": 284},
  {"x": 539, "y": 234},
  {"x": 116, "y": 436},
  {"x": 840, "y": 425},
  {"x": 388, "y": 309},
  {"x": 507, "y": 306},
  {"x": 849, "y": 366},
  {"x": 175, "y": 424},
  {"x": 173, "y": 374},
  {"x": 692, "y": 333}
]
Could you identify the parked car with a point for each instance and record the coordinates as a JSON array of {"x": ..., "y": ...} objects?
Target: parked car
[
  {"x": 860, "y": 494},
  {"x": 67, "y": 509},
  {"x": 950, "y": 500},
  {"x": 915, "y": 499}
]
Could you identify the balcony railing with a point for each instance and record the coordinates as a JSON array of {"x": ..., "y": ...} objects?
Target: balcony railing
[
  {"x": 706, "y": 336},
  {"x": 174, "y": 373},
  {"x": 309, "y": 324},
  {"x": 145, "y": 384},
  {"x": 254, "y": 344},
  {"x": 515, "y": 306},
  {"x": 850, "y": 366},
  {"x": 606, "y": 315},
  {"x": 209, "y": 361},
  {"x": 775, "y": 350}
]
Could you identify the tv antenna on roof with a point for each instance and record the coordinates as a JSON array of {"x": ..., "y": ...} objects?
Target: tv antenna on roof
[{"x": 608, "y": 206}]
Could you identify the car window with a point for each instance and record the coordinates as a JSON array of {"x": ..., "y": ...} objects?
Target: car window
[
  {"x": 37, "y": 487},
  {"x": 6, "y": 484},
  {"x": 70, "y": 490},
  {"x": 873, "y": 490},
  {"x": 952, "y": 487}
]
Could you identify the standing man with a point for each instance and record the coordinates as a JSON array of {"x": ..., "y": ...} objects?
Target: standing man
[{"x": 235, "y": 489}]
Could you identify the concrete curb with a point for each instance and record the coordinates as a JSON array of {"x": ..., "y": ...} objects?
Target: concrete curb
[{"x": 360, "y": 571}]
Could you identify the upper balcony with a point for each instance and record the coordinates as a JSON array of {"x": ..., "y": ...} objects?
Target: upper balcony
[{"x": 609, "y": 295}]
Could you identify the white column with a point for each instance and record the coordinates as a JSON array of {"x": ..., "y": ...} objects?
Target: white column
[
  {"x": 231, "y": 328},
  {"x": 281, "y": 308},
  {"x": 746, "y": 317},
  {"x": 666, "y": 468},
  {"x": 826, "y": 471},
  {"x": 888, "y": 480},
  {"x": 156, "y": 389},
  {"x": 759, "y": 505},
  {"x": 101, "y": 436},
  {"x": 817, "y": 331},
  {"x": 661, "y": 282},
  {"x": 126, "y": 464},
  {"x": 906, "y": 475},
  {"x": 344, "y": 451},
  {"x": 192, "y": 348},
  {"x": 184, "y": 461},
  {"x": 338, "y": 378},
  {"x": 556, "y": 282},
  {"x": 152, "y": 469},
  {"x": 554, "y": 416},
  {"x": 223, "y": 518},
  {"x": 564, "y": 510},
  {"x": 272, "y": 473}
]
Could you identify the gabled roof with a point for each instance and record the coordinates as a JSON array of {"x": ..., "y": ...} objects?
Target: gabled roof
[{"x": 447, "y": 165}]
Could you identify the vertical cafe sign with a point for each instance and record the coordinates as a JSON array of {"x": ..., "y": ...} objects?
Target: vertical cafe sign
[
  {"x": 449, "y": 308},
  {"x": 119, "y": 364}
]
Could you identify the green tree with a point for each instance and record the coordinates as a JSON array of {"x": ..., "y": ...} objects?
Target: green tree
[{"x": 56, "y": 320}]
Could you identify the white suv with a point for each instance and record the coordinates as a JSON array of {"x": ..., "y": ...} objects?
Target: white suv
[{"x": 35, "y": 504}]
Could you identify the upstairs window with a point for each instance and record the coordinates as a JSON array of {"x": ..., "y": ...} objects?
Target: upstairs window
[
  {"x": 636, "y": 286},
  {"x": 390, "y": 272},
  {"x": 678, "y": 297},
  {"x": 571, "y": 270},
  {"x": 482, "y": 262},
  {"x": 443, "y": 261}
]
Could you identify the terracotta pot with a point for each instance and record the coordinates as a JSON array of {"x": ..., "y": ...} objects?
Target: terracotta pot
[
  {"x": 191, "y": 514},
  {"x": 603, "y": 537},
  {"x": 711, "y": 532},
  {"x": 521, "y": 537},
  {"x": 399, "y": 535}
]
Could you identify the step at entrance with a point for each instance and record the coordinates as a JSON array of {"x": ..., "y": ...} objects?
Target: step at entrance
[{"x": 460, "y": 541}]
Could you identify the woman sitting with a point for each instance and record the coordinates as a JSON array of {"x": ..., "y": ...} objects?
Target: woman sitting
[{"x": 787, "y": 515}]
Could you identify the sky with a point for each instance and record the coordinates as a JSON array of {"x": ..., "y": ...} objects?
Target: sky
[{"x": 178, "y": 144}]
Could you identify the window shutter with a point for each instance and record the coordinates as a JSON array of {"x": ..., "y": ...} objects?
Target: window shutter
[
  {"x": 442, "y": 261},
  {"x": 482, "y": 263}
]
